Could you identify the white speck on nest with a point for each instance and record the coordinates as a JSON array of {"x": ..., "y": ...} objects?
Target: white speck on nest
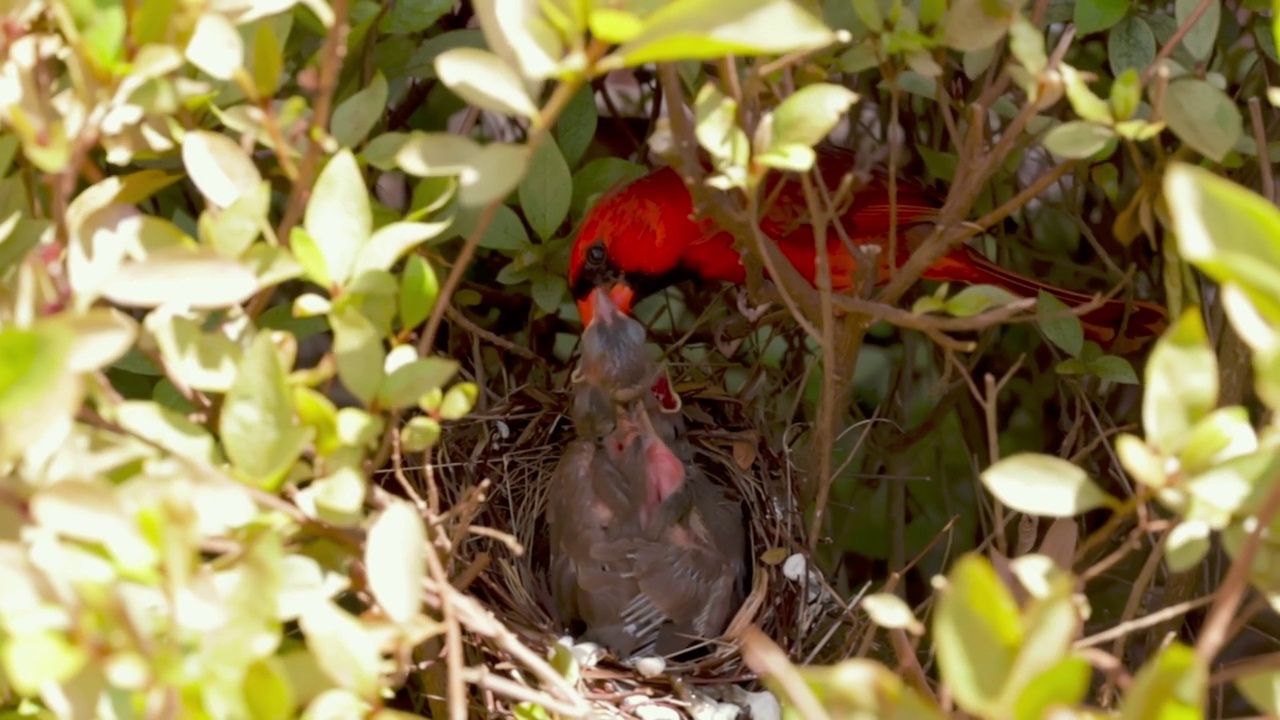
[
  {"x": 586, "y": 654},
  {"x": 649, "y": 666},
  {"x": 654, "y": 711},
  {"x": 794, "y": 567},
  {"x": 762, "y": 705},
  {"x": 704, "y": 708}
]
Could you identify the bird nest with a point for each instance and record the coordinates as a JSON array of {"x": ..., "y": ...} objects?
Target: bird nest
[{"x": 510, "y": 450}]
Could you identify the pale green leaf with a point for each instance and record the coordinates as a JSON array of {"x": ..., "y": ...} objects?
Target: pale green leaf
[
  {"x": 394, "y": 557},
  {"x": 346, "y": 651},
  {"x": 1262, "y": 687},
  {"x": 219, "y": 167},
  {"x": 100, "y": 337},
  {"x": 216, "y": 46},
  {"x": 419, "y": 434},
  {"x": 1182, "y": 383},
  {"x": 405, "y": 385},
  {"x": 390, "y": 242},
  {"x": 890, "y": 611},
  {"x": 809, "y": 114},
  {"x": 483, "y": 79},
  {"x": 168, "y": 429},
  {"x": 1173, "y": 684},
  {"x": 977, "y": 634},
  {"x": 359, "y": 353},
  {"x": 709, "y": 29},
  {"x": 1187, "y": 545},
  {"x": 459, "y": 401},
  {"x": 186, "y": 278},
  {"x": 1042, "y": 485},
  {"x": 419, "y": 288},
  {"x": 256, "y": 424},
  {"x": 496, "y": 170},
  {"x": 971, "y": 25},
  {"x": 338, "y": 216}
]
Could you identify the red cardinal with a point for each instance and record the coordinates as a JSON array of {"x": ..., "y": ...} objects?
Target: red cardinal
[
  {"x": 647, "y": 554},
  {"x": 641, "y": 238}
]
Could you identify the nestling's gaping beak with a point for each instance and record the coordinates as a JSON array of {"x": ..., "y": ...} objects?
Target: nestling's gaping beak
[{"x": 606, "y": 303}]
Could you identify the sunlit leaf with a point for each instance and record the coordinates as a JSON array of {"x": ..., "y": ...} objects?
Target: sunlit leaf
[
  {"x": 219, "y": 168},
  {"x": 481, "y": 78},
  {"x": 394, "y": 558},
  {"x": 338, "y": 216},
  {"x": 1042, "y": 485},
  {"x": 257, "y": 425}
]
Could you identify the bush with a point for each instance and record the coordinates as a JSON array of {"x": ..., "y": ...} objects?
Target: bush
[{"x": 258, "y": 258}]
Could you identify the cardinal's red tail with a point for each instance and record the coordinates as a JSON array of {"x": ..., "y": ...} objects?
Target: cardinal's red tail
[{"x": 1145, "y": 320}]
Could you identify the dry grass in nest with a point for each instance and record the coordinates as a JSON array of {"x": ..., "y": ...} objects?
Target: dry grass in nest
[{"x": 515, "y": 443}]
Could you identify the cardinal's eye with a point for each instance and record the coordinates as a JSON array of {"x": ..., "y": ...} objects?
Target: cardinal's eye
[{"x": 595, "y": 254}]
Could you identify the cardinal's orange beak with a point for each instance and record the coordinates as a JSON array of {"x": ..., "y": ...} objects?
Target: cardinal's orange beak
[{"x": 619, "y": 294}]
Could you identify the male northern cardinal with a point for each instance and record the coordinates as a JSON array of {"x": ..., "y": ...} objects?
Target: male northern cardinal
[
  {"x": 647, "y": 554},
  {"x": 641, "y": 238}
]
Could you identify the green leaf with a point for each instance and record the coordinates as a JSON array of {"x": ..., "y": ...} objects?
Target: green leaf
[
  {"x": 1233, "y": 236},
  {"x": 546, "y": 189},
  {"x": 1043, "y": 485},
  {"x": 267, "y": 692},
  {"x": 710, "y": 29},
  {"x": 484, "y": 80},
  {"x": 338, "y": 215},
  {"x": 1083, "y": 100},
  {"x": 576, "y": 127},
  {"x": 35, "y": 659},
  {"x": 1171, "y": 685},
  {"x": 498, "y": 167},
  {"x": 505, "y": 232},
  {"x": 419, "y": 434},
  {"x": 1026, "y": 42},
  {"x": 890, "y": 611},
  {"x": 359, "y": 353},
  {"x": 390, "y": 242},
  {"x": 1223, "y": 434},
  {"x": 310, "y": 258},
  {"x": 1182, "y": 383},
  {"x": 1113, "y": 368},
  {"x": 197, "y": 279},
  {"x": 170, "y": 430},
  {"x": 1262, "y": 689},
  {"x": 1090, "y": 16},
  {"x": 419, "y": 288},
  {"x": 977, "y": 298},
  {"x": 394, "y": 557},
  {"x": 1203, "y": 117},
  {"x": 200, "y": 360},
  {"x": 977, "y": 634},
  {"x": 405, "y": 18},
  {"x": 459, "y": 401},
  {"x": 99, "y": 337},
  {"x": 1065, "y": 684},
  {"x": 342, "y": 647},
  {"x": 356, "y": 116},
  {"x": 1200, "y": 38},
  {"x": 405, "y": 385},
  {"x": 548, "y": 291},
  {"x": 256, "y": 423},
  {"x": 218, "y": 167},
  {"x": 971, "y": 25},
  {"x": 268, "y": 61},
  {"x": 1063, "y": 330},
  {"x": 1131, "y": 45},
  {"x": 1126, "y": 94},
  {"x": 807, "y": 116},
  {"x": 234, "y": 229},
  {"x": 1187, "y": 545},
  {"x": 216, "y": 46}
]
